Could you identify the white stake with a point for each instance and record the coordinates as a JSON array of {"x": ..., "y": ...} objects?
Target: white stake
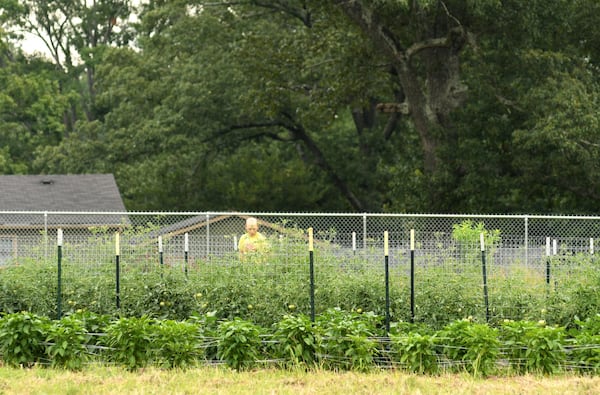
[{"x": 385, "y": 243}]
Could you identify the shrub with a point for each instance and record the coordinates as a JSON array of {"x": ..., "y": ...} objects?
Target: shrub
[
  {"x": 475, "y": 346},
  {"x": 584, "y": 355},
  {"x": 176, "y": 344},
  {"x": 239, "y": 343},
  {"x": 22, "y": 337},
  {"x": 207, "y": 327},
  {"x": 416, "y": 352},
  {"x": 533, "y": 347},
  {"x": 295, "y": 340},
  {"x": 94, "y": 325},
  {"x": 66, "y": 343},
  {"x": 346, "y": 339},
  {"x": 130, "y": 341}
]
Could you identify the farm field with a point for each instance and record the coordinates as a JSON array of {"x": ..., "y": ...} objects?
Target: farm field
[{"x": 218, "y": 380}]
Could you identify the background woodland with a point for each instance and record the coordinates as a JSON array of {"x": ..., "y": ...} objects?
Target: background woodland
[{"x": 460, "y": 106}]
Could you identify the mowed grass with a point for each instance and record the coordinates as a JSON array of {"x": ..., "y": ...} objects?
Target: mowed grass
[{"x": 218, "y": 380}]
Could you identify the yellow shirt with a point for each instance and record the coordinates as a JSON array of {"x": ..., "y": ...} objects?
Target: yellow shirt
[{"x": 253, "y": 248}]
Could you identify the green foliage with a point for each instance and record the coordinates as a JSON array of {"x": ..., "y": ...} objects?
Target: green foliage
[
  {"x": 176, "y": 343},
  {"x": 160, "y": 295},
  {"x": 22, "y": 337},
  {"x": 239, "y": 343},
  {"x": 346, "y": 339},
  {"x": 582, "y": 356},
  {"x": 66, "y": 343},
  {"x": 296, "y": 340},
  {"x": 472, "y": 345},
  {"x": 130, "y": 341},
  {"x": 29, "y": 287},
  {"x": 506, "y": 107},
  {"x": 338, "y": 340},
  {"x": 441, "y": 297},
  {"x": 93, "y": 323},
  {"x": 445, "y": 291},
  {"x": 467, "y": 235},
  {"x": 416, "y": 352},
  {"x": 207, "y": 326},
  {"x": 533, "y": 347}
]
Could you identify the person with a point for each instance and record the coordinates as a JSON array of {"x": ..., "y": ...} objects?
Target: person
[{"x": 253, "y": 245}]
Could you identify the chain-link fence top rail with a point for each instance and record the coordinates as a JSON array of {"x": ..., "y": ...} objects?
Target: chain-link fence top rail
[{"x": 214, "y": 235}]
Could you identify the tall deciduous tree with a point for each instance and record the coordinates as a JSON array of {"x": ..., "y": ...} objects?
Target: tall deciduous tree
[
  {"x": 416, "y": 105},
  {"x": 31, "y": 108},
  {"x": 72, "y": 31}
]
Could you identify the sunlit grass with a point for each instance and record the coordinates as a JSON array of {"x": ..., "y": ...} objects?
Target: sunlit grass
[{"x": 218, "y": 380}]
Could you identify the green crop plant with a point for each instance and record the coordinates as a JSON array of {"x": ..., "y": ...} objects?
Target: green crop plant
[
  {"x": 296, "y": 340},
  {"x": 416, "y": 352},
  {"x": 239, "y": 343},
  {"x": 472, "y": 346},
  {"x": 22, "y": 337},
  {"x": 66, "y": 343}
]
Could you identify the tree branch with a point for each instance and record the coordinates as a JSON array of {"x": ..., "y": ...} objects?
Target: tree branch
[
  {"x": 320, "y": 160},
  {"x": 251, "y": 125}
]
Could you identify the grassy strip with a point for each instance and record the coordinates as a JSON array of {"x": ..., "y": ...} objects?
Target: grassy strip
[{"x": 212, "y": 380}]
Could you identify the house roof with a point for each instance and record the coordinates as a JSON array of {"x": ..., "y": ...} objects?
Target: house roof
[{"x": 61, "y": 193}]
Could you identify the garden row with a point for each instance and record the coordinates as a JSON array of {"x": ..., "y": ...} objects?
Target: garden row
[
  {"x": 336, "y": 340},
  {"x": 444, "y": 291}
]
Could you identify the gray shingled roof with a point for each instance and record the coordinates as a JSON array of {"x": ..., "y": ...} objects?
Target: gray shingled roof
[{"x": 77, "y": 193}]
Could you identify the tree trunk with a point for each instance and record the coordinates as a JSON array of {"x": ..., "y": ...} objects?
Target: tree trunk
[{"x": 432, "y": 88}]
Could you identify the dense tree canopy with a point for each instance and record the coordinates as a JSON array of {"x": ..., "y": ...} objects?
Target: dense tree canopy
[{"x": 310, "y": 105}]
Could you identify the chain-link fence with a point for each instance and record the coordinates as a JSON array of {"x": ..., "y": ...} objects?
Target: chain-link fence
[
  {"x": 214, "y": 235},
  {"x": 440, "y": 265}
]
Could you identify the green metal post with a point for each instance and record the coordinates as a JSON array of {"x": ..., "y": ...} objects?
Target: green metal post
[
  {"x": 160, "y": 255},
  {"x": 312, "y": 274},
  {"x": 186, "y": 249},
  {"x": 387, "y": 282},
  {"x": 312, "y": 287},
  {"x": 412, "y": 275},
  {"x": 485, "y": 289},
  {"x": 117, "y": 271},
  {"x": 59, "y": 270},
  {"x": 412, "y": 286},
  {"x": 387, "y": 295},
  {"x": 118, "y": 282}
]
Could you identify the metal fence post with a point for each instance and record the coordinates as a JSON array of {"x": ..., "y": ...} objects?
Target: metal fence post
[
  {"x": 526, "y": 241},
  {"x": 160, "y": 256},
  {"x": 207, "y": 236},
  {"x": 364, "y": 233},
  {"x": 59, "y": 242},
  {"x": 46, "y": 237},
  {"x": 311, "y": 274},
  {"x": 484, "y": 272},
  {"x": 412, "y": 275},
  {"x": 387, "y": 281},
  {"x": 186, "y": 249},
  {"x": 117, "y": 271}
]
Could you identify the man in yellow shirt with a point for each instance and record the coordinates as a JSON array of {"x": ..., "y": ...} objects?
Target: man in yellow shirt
[{"x": 253, "y": 245}]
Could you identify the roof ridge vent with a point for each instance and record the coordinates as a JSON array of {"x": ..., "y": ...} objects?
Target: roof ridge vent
[{"x": 47, "y": 181}]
